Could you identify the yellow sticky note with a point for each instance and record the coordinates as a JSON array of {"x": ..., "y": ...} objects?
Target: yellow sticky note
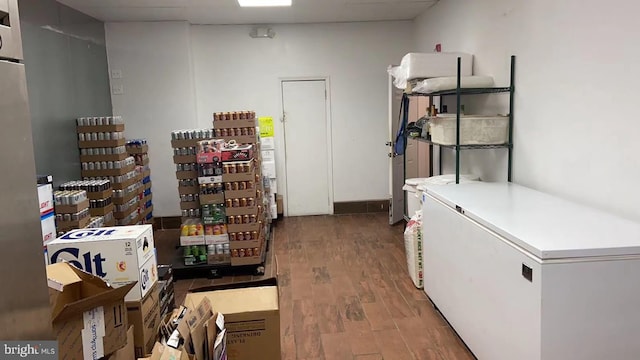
[{"x": 266, "y": 126}]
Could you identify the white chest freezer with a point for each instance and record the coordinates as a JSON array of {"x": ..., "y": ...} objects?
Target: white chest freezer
[{"x": 523, "y": 275}]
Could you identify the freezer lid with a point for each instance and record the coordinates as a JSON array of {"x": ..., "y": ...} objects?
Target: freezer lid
[{"x": 548, "y": 227}]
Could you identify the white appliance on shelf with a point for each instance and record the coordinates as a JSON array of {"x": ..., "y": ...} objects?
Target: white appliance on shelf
[{"x": 523, "y": 275}]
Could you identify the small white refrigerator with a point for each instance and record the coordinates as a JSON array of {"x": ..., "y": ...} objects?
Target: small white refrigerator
[{"x": 521, "y": 274}]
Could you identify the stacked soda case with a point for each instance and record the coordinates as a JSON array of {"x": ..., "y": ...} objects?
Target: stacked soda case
[
  {"x": 100, "y": 196},
  {"x": 104, "y": 156},
  {"x": 239, "y": 126},
  {"x": 184, "y": 144},
  {"x": 243, "y": 189},
  {"x": 72, "y": 209},
  {"x": 139, "y": 149}
]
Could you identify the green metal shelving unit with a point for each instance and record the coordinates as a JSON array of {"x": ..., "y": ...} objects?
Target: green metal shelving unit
[{"x": 458, "y": 92}]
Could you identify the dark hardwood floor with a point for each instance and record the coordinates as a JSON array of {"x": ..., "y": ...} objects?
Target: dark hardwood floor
[{"x": 345, "y": 293}]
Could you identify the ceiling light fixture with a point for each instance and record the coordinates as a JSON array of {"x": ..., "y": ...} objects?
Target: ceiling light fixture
[{"x": 264, "y": 3}]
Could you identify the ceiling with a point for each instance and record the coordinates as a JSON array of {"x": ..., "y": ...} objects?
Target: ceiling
[{"x": 229, "y": 12}]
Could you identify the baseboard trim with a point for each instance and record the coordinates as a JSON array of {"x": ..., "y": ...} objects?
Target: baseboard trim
[
  {"x": 360, "y": 207},
  {"x": 339, "y": 208}
]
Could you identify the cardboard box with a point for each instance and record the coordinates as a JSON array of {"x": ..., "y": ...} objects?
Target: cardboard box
[
  {"x": 99, "y": 195},
  {"x": 273, "y": 185},
  {"x": 184, "y": 159},
  {"x": 252, "y": 319},
  {"x": 192, "y": 240},
  {"x": 72, "y": 209},
  {"x": 268, "y": 143},
  {"x": 186, "y": 205},
  {"x": 245, "y": 244},
  {"x": 280, "y": 204},
  {"x": 243, "y": 227},
  {"x": 247, "y": 210},
  {"x": 146, "y": 174},
  {"x": 268, "y": 155},
  {"x": 182, "y": 175},
  {"x": 216, "y": 239},
  {"x": 125, "y": 184},
  {"x": 121, "y": 215},
  {"x": 144, "y": 315},
  {"x": 212, "y": 157},
  {"x": 99, "y": 128},
  {"x": 185, "y": 143},
  {"x": 48, "y": 226},
  {"x": 74, "y": 224},
  {"x": 88, "y": 316},
  {"x": 269, "y": 169},
  {"x": 147, "y": 185},
  {"x": 119, "y": 255},
  {"x": 250, "y": 176},
  {"x": 125, "y": 199},
  {"x": 127, "y": 352},
  {"x": 239, "y": 194},
  {"x": 212, "y": 199},
  {"x": 144, "y": 149},
  {"x": 232, "y": 124},
  {"x": 242, "y": 139},
  {"x": 186, "y": 190},
  {"x": 45, "y": 199},
  {"x": 111, "y": 157},
  {"x": 101, "y": 143},
  {"x": 209, "y": 179},
  {"x": 239, "y": 153},
  {"x": 101, "y": 211},
  {"x": 108, "y": 172}
]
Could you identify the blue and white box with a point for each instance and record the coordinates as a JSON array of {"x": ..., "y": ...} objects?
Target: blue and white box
[{"x": 119, "y": 255}]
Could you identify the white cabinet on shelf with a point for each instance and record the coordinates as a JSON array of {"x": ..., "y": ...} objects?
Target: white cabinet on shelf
[{"x": 523, "y": 275}]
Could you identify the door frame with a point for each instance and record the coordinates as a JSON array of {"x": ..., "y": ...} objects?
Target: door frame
[{"x": 328, "y": 114}]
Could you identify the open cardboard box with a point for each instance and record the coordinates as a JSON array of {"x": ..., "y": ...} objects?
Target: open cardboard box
[
  {"x": 199, "y": 335},
  {"x": 89, "y": 317},
  {"x": 252, "y": 317}
]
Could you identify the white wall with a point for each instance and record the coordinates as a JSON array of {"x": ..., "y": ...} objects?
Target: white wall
[
  {"x": 158, "y": 95},
  {"x": 232, "y": 71},
  {"x": 576, "y": 128}
]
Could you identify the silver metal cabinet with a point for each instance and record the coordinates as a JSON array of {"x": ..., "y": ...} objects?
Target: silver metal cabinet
[{"x": 24, "y": 299}]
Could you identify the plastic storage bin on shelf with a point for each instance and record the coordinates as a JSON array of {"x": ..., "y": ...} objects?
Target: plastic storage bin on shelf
[{"x": 474, "y": 129}]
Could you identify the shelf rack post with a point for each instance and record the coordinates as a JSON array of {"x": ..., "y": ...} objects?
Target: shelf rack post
[
  {"x": 458, "y": 123},
  {"x": 511, "y": 96}
]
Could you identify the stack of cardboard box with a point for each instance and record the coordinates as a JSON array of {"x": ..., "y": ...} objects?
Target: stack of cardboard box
[
  {"x": 139, "y": 149},
  {"x": 267, "y": 143},
  {"x": 88, "y": 316},
  {"x": 103, "y": 156},
  {"x": 47, "y": 213},
  {"x": 119, "y": 255},
  {"x": 252, "y": 316},
  {"x": 72, "y": 209},
  {"x": 184, "y": 144},
  {"x": 242, "y": 177}
]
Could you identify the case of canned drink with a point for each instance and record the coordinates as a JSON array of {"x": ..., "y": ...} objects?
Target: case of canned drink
[{"x": 119, "y": 255}]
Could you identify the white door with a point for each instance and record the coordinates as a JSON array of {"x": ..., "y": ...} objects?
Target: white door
[
  {"x": 307, "y": 135},
  {"x": 396, "y": 162}
]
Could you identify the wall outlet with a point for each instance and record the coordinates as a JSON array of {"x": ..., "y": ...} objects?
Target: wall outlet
[
  {"x": 117, "y": 89},
  {"x": 116, "y": 74}
]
